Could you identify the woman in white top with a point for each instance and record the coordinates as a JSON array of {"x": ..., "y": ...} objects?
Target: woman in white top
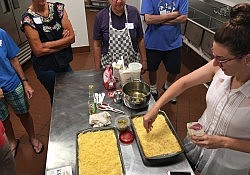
[{"x": 225, "y": 147}]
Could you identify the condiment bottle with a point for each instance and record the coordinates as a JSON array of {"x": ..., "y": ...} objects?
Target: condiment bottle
[{"x": 91, "y": 100}]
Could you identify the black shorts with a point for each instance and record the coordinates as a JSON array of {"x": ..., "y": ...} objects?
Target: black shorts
[{"x": 171, "y": 60}]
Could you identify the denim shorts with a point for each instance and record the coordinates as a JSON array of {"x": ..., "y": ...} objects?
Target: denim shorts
[{"x": 17, "y": 100}]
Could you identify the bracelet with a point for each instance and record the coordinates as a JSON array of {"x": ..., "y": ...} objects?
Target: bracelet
[{"x": 25, "y": 79}]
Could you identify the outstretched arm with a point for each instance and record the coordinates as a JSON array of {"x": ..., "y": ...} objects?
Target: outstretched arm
[{"x": 202, "y": 75}]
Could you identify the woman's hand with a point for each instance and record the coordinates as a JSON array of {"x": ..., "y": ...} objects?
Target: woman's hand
[
  {"x": 148, "y": 122},
  {"x": 209, "y": 141}
]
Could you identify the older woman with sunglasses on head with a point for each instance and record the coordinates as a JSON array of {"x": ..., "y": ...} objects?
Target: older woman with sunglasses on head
[{"x": 224, "y": 148}]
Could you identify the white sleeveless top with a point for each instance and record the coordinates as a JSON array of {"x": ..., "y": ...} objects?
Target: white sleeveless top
[{"x": 227, "y": 114}]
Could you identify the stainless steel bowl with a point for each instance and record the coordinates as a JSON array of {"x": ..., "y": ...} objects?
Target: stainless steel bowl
[{"x": 136, "y": 94}]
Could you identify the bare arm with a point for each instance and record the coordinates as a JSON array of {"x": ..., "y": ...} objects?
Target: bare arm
[
  {"x": 40, "y": 49},
  {"x": 178, "y": 20},
  {"x": 1, "y": 93},
  {"x": 159, "y": 19},
  {"x": 215, "y": 141},
  {"x": 142, "y": 50},
  {"x": 68, "y": 35},
  {"x": 199, "y": 76},
  {"x": 97, "y": 53},
  {"x": 16, "y": 65}
]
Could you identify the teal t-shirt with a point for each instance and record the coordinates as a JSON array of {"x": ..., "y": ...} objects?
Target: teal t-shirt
[
  {"x": 160, "y": 36},
  {"x": 9, "y": 79}
]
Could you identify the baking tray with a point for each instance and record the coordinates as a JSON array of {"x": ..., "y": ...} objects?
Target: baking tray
[
  {"x": 160, "y": 160},
  {"x": 100, "y": 129}
]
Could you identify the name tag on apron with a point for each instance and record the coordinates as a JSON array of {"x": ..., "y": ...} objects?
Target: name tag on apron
[
  {"x": 129, "y": 25},
  {"x": 37, "y": 20}
]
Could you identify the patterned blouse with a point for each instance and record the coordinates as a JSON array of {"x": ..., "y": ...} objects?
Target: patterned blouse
[
  {"x": 50, "y": 29},
  {"x": 50, "y": 23}
]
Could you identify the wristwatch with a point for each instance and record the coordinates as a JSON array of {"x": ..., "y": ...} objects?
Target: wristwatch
[{"x": 25, "y": 79}]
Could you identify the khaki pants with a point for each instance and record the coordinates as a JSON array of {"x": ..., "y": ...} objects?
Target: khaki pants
[{"x": 7, "y": 161}]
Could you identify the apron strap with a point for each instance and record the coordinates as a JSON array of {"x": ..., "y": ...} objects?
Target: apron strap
[{"x": 110, "y": 18}]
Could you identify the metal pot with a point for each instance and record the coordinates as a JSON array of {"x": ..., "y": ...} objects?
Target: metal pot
[{"x": 136, "y": 94}]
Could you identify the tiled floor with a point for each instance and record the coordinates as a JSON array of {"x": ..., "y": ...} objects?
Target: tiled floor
[{"x": 188, "y": 108}]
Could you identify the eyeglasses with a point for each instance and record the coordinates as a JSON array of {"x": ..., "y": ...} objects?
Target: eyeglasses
[{"x": 220, "y": 59}]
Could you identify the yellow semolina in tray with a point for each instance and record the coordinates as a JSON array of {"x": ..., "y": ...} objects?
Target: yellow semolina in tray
[
  {"x": 98, "y": 153},
  {"x": 159, "y": 141}
]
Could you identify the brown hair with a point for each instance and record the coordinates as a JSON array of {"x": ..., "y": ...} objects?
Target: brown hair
[{"x": 235, "y": 34}]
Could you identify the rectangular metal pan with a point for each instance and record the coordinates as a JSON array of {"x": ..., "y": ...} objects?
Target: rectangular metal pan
[
  {"x": 94, "y": 130},
  {"x": 164, "y": 159}
]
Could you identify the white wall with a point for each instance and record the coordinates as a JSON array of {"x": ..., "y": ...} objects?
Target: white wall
[
  {"x": 135, "y": 3},
  {"x": 77, "y": 16}
]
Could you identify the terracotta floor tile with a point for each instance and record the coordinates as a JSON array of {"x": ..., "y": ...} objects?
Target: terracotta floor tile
[
  {"x": 19, "y": 134},
  {"x": 181, "y": 126},
  {"x": 183, "y": 117},
  {"x": 27, "y": 161},
  {"x": 45, "y": 130},
  {"x": 182, "y": 134},
  {"x": 16, "y": 123}
]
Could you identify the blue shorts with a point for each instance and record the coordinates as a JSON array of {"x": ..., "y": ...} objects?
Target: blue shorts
[
  {"x": 171, "y": 60},
  {"x": 17, "y": 100}
]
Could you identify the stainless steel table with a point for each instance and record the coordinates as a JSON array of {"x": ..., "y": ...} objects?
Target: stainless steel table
[{"x": 70, "y": 115}]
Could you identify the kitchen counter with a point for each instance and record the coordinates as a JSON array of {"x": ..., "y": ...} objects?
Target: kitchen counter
[{"x": 70, "y": 115}]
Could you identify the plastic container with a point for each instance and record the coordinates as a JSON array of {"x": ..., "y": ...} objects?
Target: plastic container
[
  {"x": 135, "y": 70},
  {"x": 122, "y": 123},
  {"x": 126, "y": 137},
  {"x": 135, "y": 66}
]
